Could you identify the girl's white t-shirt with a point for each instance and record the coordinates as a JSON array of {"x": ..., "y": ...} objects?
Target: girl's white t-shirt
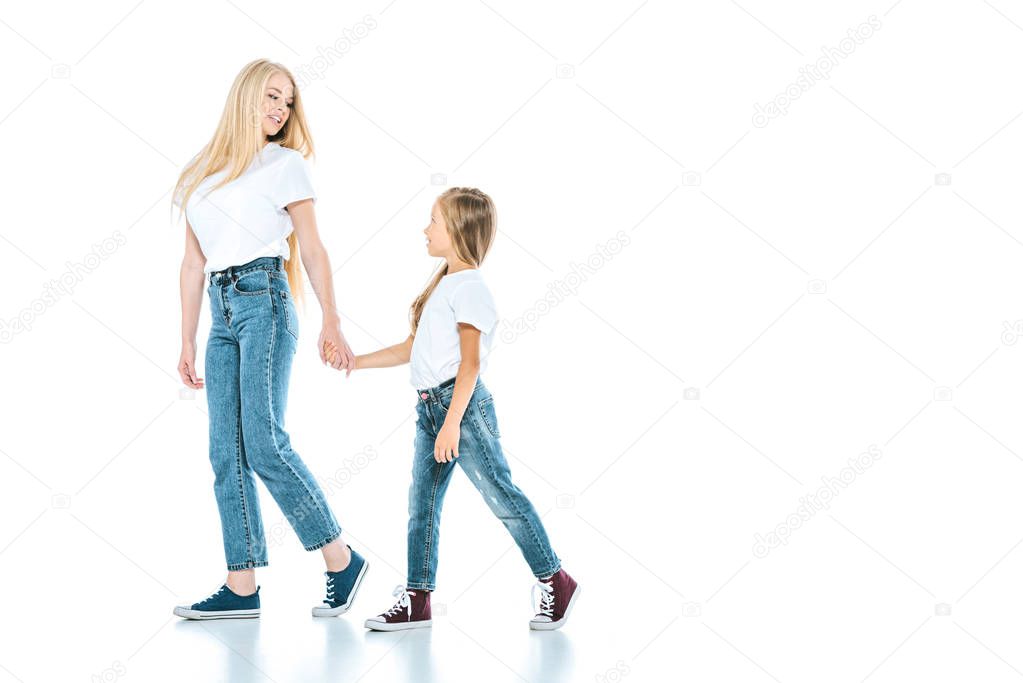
[
  {"x": 246, "y": 218},
  {"x": 461, "y": 297}
]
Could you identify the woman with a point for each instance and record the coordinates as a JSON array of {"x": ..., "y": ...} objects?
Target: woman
[{"x": 248, "y": 204}]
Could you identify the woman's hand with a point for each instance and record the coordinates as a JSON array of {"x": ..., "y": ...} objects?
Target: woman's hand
[
  {"x": 317, "y": 265},
  {"x": 334, "y": 350},
  {"x": 186, "y": 368},
  {"x": 445, "y": 449}
]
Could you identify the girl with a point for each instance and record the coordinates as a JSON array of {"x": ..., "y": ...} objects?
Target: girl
[
  {"x": 450, "y": 321},
  {"x": 248, "y": 204}
]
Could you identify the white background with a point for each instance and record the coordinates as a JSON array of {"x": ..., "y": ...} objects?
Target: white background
[{"x": 816, "y": 284}]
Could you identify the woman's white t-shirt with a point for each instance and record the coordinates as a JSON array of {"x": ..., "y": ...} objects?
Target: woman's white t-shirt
[
  {"x": 246, "y": 218},
  {"x": 461, "y": 297}
]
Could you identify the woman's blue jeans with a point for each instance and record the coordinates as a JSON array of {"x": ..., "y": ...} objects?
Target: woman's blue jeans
[
  {"x": 248, "y": 363},
  {"x": 480, "y": 456}
]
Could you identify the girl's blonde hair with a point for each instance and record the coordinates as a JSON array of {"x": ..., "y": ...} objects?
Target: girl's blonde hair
[
  {"x": 239, "y": 138},
  {"x": 471, "y": 220}
]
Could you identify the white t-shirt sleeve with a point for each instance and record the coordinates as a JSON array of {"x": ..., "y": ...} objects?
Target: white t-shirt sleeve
[
  {"x": 473, "y": 304},
  {"x": 294, "y": 182}
]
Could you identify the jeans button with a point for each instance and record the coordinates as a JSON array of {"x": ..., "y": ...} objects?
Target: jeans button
[{"x": 424, "y": 396}]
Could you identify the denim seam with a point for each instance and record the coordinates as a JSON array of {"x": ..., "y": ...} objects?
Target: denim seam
[
  {"x": 234, "y": 283},
  {"x": 225, "y": 310},
  {"x": 287, "y": 316},
  {"x": 421, "y": 586},
  {"x": 241, "y": 483},
  {"x": 247, "y": 565},
  {"x": 263, "y": 266},
  {"x": 329, "y": 539},
  {"x": 429, "y": 529},
  {"x": 556, "y": 567},
  {"x": 484, "y": 446},
  {"x": 270, "y": 418},
  {"x": 494, "y": 432}
]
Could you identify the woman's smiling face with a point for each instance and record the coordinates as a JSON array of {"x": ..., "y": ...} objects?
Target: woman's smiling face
[{"x": 277, "y": 101}]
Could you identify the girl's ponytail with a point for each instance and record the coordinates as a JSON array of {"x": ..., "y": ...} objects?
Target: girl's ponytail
[{"x": 416, "y": 310}]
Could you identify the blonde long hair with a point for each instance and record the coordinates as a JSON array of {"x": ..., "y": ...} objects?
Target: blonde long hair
[
  {"x": 471, "y": 220},
  {"x": 239, "y": 138}
]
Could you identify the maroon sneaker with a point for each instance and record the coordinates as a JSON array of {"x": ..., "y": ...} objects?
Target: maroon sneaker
[
  {"x": 411, "y": 611},
  {"x": 557, "y": 597}
]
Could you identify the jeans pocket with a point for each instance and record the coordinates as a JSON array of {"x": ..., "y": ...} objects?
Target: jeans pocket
[
  {"x": 252, "y": 284},
  {"x": 489, "y": 415},
  {"x": 290, "y": 313}
]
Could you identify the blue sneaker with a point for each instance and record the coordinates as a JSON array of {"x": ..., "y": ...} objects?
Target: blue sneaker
[
  {"x": 342, "y": 587},
  {"x": 224, "y": 604}
]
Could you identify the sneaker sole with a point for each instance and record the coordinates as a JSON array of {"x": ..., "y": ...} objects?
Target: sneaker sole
[
  {"x": 554, "y": 625},
  {"x": 374, "y": 625},
  {"x": 341, "y": 609},
  {"x": 199, "y": 615}
]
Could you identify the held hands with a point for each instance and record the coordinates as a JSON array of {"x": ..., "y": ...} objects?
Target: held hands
[
  {"x": 335, "y": 352},
  {"x": 445, "y": 449}
]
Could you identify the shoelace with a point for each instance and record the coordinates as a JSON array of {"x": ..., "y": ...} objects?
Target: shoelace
[
  {"x": 330, "y": 589},
  {"x": 215, "y": 594},
  {"x": 404, "y": 602},
  {"x": 546, "y": 597}
]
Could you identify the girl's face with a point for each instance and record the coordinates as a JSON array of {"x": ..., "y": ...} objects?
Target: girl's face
[
  {"x": 277, "y": 101},
  {"x": 438, "y": 242}
]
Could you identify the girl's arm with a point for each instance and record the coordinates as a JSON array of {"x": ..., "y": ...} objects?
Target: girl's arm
[
  {"x": 445, "y": 449},
  {"x": 398, "y": 354},
  {"x": 191, "y": 280},
  {"x": 317, "y": 265}
]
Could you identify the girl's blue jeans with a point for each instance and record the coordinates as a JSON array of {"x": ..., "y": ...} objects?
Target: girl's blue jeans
[{"x": 481, "y": 458}]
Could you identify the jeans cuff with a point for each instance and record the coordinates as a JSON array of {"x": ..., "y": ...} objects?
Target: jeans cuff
[
  {"x": 542, "y": 575},
  {"x": 411, "y": 585},
  {"x": 329, "y": 539},
  {"x": 247, "y": 565}
]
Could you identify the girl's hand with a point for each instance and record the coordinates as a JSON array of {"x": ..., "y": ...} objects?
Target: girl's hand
[
  {"x": 339, "y": 358},
  {"x": 186, "y": 368},
  {"x": 445, "y": 449},
  {"x": 334, "y": 350},
  {"x": 333, "y": 354},
  {"x": 330, "y": 351}
]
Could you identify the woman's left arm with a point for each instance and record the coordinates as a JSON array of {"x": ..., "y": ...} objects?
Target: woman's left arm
[
  {"x": 317, "y": 265},
  {"x": 445, "y": 449}
]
